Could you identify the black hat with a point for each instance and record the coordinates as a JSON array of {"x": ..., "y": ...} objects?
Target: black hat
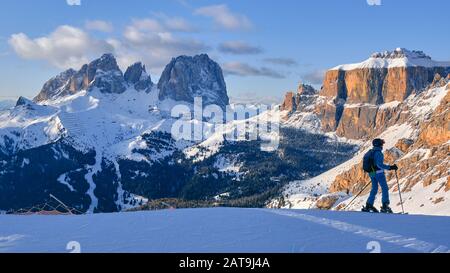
[{"x": 378, "y": 142}]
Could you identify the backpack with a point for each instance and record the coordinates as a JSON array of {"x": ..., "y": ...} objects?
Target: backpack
[{"x": 369, "y": 162}]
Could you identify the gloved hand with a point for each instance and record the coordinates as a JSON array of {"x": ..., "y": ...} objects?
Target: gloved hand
[{"x": 394, "y": 167}]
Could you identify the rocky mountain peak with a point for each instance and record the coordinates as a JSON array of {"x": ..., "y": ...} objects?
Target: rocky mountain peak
[
  {"x": 103, "y": 74},
  {"x": 22, "y": 101},
  {"x": 185, "y": 78},
  {"x": 134, "y": 72},
  {"x": 137, "y": 75},
  {"x": 401, "y": 53},
  {"x": 107, "y": 62},
  {"x": 306, "y": 97},
  {"x": 56, "y": 86},
  {"x": 306, "y": 89}
]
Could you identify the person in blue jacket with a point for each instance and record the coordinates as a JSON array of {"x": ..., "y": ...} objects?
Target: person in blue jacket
[{"x": 378, "y": 177}]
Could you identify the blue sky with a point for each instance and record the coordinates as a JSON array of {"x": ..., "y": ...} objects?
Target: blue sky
[{"x": 266, "y": 47}]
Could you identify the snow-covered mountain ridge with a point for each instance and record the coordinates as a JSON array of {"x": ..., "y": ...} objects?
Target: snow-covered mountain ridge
[{"x": 400, "y": 57}]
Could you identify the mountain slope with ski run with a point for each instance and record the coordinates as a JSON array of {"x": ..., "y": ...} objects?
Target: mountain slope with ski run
[{"x": 225, "y": 230}]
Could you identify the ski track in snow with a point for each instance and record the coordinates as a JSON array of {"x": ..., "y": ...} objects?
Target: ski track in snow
[
  {"x": 396, "y": 239},
  {"x": 94, "y": 169},
  {"x": 10, "y": 240}
]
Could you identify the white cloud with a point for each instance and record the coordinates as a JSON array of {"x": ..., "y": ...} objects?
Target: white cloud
[
  {"x": 281, "y": 61},
  {"x": 314, "y": 77},
  {"x": 66, "y": 47},
  {"x": 244, "y": 70},
  {"x": 147, "y": 24},
  {"x": 374, "y": 2},
  {"x": 176, "y": 24},
  {"x": 224, "y": 17},
  {"x": 162, "y": 23},
  {"x": 154, "y": 41},
  {"x": 99, "y": 25},
  {"x": 151, "y": 41},
  {"x": 73, "y": 2},
  {"x": 239, "y": 47}
]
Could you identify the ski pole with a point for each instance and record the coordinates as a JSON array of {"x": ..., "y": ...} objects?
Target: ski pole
[
  {"x": 351, "y": 202},
  {"x": 399, "y": 191}
]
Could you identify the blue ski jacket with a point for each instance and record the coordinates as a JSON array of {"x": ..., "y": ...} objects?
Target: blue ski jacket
[{"x": 378, "y": 158}]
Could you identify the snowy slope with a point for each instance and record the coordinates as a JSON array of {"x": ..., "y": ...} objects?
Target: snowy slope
[
  {"x": 225, "y": 230},
  {"x": 429, "y": 200},
  {"x": 235, "y": 130}
]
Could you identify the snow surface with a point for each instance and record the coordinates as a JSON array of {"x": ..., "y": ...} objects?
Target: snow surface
[
  {"x": 430, "y": 200},
  {"x": 307, "y": 121},
  {"x": 225, "y": 230},
  {"x": 424, "y": 104}
]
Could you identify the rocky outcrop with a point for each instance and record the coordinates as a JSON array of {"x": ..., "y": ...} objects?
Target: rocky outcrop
[
  {"x": 185, "y": 78},
  {"x": 326, "y": 202},
  {"x": 359, "y": 101},
  {"x": 136, "y": 75},
  {"x": 357, "y": 122},
  {"x": 304, "y": 99},
  {"x": 329, "y": 112},
  {"x": 289, "y": 103},
  {"x": 359, "y": 91},
  {"x": 56, "y": 86},
  {"x": 437, "y": 131},
  {"x": 384, "y": 77},
  {"x": 378, "y": 85},
  {"x": 306, "y": 90},
  {"x": 22, "y": 101},
  {"x": 102, "y": 74},
  {"x": 404, "y": 144}
]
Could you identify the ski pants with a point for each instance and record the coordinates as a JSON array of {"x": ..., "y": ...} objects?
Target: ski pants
[{"x": 379, "y": 178}]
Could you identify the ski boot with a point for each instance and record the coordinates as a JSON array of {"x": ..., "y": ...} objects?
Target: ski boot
[
  {"x": 369, "y": 208},
  {"x": 386, "y": 209}
]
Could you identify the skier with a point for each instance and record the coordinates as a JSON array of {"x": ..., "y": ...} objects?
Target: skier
[{"x": 373, "y": 164}]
